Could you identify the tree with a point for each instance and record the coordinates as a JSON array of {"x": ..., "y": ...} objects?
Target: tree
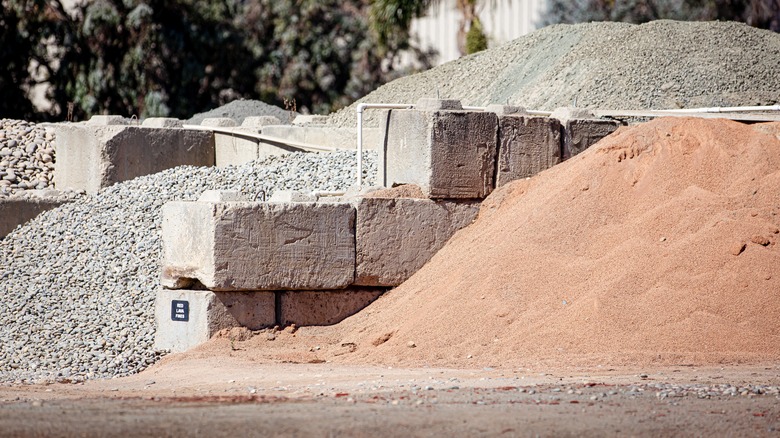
[{"x": 759, "y": 13}]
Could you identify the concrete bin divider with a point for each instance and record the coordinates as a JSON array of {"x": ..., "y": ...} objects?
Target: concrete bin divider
[
  {"x": 16, "y": 210},
  {"x": 527, "y": 145},
  {"x": 91, "y": 157},
  {"x": 580, "y": 129},
  {"x": 187, "y": 318},
  {"x": 234, "y": 246},
  {"x": 395, "y": 237},
  {"x": 450, "y": 154}
]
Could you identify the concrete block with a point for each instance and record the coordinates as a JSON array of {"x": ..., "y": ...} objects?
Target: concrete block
[
  {"x": 395, "y": 237},
  {"x": 17, "y": 210},
  {"x": 162, "y": 122},
  {"x": 323, "y": 307},
  {"x": 234, "y": 149},
  {"x": 291, "y": 196},
  {"x": 580, "y": 129},
  {"x": 218, "y": 122},
  {"x": 449, "y": 154},
  {"x": 92, "y": 157},
  {"x": 527, "y": 145},
  {"x": 258, "y": 246},
  {"x": 256, "y": 123},
  {"x": 310, "y": 119},
  {"x": 505, "y": 110},
  {"x": 429, "y": 104},
  {"x": 107, "y": 121},
  {"x": 340, "y": 138},
  {"x": 223, "y": 196},
  {"x": 187, "y": 318}
]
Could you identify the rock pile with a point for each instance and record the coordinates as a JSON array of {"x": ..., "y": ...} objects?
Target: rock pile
[
  {"x": 620, "y": 66},
  {"x": 26, "y": 156},
  {"x": 79, "y": 281},
  {"x": 240, "y": 109}
]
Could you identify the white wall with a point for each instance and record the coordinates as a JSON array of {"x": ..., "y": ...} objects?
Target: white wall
[{"x": 503, "y": 20}]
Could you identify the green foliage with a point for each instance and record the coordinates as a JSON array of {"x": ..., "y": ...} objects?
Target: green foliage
[
  {"x": 175, "y": 58},
  {"x": 476, "y": 40},
  {"x": 759, "y": 13}
]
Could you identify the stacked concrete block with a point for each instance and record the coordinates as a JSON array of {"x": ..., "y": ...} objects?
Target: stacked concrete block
[
  {"x": 162, "y": 122},
  {"x": 395, "y": 237},
  {"x": 92, "y": 156},
  {"x": 258, "y": 246},
  {"x": 581, "y": 129},
  {"x": 448, "y": 152},
  {"x": 186, "y": 318},
  {"x": 328, "y": 136},
  {"x": 323, "y": 307},
  {"x": 527, "y": 145}
]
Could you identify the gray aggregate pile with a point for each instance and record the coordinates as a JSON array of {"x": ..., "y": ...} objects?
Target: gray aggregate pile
[
  {"x": 240, "y": 109},
  {"x": 609, "y": 66},
  {"x": 79, "y": 281},
  {"x": 26, "y": 157}
]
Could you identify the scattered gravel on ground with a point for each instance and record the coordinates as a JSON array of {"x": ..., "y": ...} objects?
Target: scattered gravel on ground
[
  {"x": 238, "y": 110},
  {"x": 80, "y": 280},
  {"x": 657, "y": 65},
  {"x": 26, "y": 157}
]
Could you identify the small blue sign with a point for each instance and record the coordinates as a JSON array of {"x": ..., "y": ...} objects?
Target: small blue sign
[{"x": 180, "y": 310}]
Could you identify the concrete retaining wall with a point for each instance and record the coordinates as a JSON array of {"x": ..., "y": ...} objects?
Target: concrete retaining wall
[
  {"x": 17, "y": 210},
  {"x": 527, "y": 146}
]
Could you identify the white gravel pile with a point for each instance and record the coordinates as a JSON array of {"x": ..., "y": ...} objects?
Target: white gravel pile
[
  {"x": 657, "y": 65},
  {"x": 79, "y": 281},
  {"x": 240, "y": 109}
]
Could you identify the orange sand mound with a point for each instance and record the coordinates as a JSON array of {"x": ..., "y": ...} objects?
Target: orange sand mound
[
  {"x": 630, "y": 253},
  {"x": 657, "y": 246}
]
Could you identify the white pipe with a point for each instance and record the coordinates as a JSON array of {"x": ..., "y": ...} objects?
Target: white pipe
[
  {"x": 325, "y": 193},
  {"x": 263, "y": 138},
  {"x": 717, "y": 109},
  {"x": 360, "y": 108}
]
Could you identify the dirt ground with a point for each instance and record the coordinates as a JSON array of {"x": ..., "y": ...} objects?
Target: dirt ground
[{"x": 231, "y": 396}]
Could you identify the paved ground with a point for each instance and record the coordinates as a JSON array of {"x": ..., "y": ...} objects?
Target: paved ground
[{"x": 223, "y": 397}]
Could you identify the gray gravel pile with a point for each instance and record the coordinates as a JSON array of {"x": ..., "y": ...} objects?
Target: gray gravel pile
[
  {"x": 79, "y": 281},
  {"x": 240, "y": 109},
  {"x": 657, "y": 65},
  {"x": 26, "y": 157}
]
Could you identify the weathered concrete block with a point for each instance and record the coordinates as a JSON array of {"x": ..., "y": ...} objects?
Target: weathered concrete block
[
  {"x": 449, "y": 154},
  {"x": 340, "y": 138},
  {"x": 256, "y": 123},
  {"x": 223, "y": 196},
  {"x": 17, "y": 210},
  {"x": 92, "y": 157},
  {"x": 218, "y": 122},
  {"x": 580, "y": 129},
  {"x": 187, "y": 318},
  {"x": 527, "y": 145},
  {"x": 162, "y": 122},
  {"x": 100, "y": 120},
  {"x": 258, "y": 246},
  {"x": 234, "y": 150},
  {"x": 323, "y": 307},
  {"x": 310, "y": 119},
  {"x": 396, "y": 237},
  {"x": 291, "y": 196}
]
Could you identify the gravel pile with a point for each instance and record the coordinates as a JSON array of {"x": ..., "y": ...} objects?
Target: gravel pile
[
  {"x": 80, "y": 280},
  {"x": 657, "y": 65},
  {"x": 238, "y": 110},
  {"x": 26, "y": 157}
]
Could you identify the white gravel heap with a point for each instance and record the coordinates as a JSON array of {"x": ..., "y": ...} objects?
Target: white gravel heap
[
  {"x": 79, "y": 281},
  {"x": 26, "y": 156}
]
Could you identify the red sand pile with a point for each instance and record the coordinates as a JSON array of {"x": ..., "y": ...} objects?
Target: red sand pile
[{"x": 658, "y": 245}]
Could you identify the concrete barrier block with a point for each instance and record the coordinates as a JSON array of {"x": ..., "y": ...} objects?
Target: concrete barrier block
[
  {"x": 449, "y": 154},
  {"x": 323, "y": 307},
  {"x": 340, "y": 138},
  {"x": 396, "y": 237},
  {"x": 291, "y": 196},
  {"x": 258, "y": 246},
  {"x": 310, "y": 119},
  {"x": 100, "y": 120},
  {"x": 256, "y": 123},
  {"x": 223, "y": 196},
  {"x": 17, "y": 210},
  {"x": 527, "y": 145},
  {"x": 580, "y": 129},
  {"x": 219, "y": 122},
  {"x": 162, "y": 122},
  {"x": 187, "y": 318},
  {"x": 234, "y": 150},
  {"x": 92, "y": 157}
]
